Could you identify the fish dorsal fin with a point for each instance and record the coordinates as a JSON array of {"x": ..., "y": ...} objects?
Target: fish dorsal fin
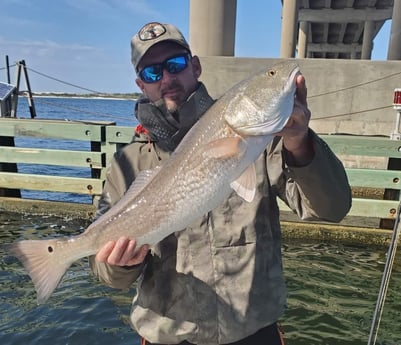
[
  {"x": 245, "y": 185},
  {"x": 141, "y": 181},
  {"x": 226, "y": 147}
]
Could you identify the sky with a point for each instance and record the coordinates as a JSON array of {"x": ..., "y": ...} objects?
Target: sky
[{"x": 87, "y": 42}]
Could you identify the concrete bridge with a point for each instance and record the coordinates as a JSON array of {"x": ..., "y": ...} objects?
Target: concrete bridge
[{"x": 347, "y": 92}]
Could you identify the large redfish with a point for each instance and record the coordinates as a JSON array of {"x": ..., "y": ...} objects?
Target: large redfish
[{"x": 214, "y": 158}]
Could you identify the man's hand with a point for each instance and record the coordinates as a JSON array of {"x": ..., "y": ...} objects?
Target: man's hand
[
  {"x": 122, "y": 253},
  {"x": 295, "y": 134}
]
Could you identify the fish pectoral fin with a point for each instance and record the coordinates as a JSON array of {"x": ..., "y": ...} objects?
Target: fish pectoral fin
[
  {"x": 245, "y": 185},
  {"x": 226, "y": 147}
]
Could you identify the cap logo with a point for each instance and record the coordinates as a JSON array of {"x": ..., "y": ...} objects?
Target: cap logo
[{"x": 151, "y": 31}]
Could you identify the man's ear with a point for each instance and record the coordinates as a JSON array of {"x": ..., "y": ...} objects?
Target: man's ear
[
  {"x": 140, "y": 84},
  {"x": 196, "y": 66}
]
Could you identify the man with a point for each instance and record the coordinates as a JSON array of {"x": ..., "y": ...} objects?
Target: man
[{"x": 220, "y": 280}]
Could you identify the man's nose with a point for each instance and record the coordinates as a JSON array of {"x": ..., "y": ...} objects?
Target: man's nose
[{"x": 168, "y": 77}]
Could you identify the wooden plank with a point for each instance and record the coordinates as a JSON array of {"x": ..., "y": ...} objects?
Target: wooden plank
[
  {"x": 51, "y": 183},
  {"x": 86, "y": 159},
  {"x": 365, "y": 208},
  {"x": 119, "y": 134},
  {"x": 341, "y": 144},
  {"x": 374, "y": 178},
  {"x": 58, "y": 129},
  {"x": 374, "y": 208},
  {"x": 363, "y": 145}
]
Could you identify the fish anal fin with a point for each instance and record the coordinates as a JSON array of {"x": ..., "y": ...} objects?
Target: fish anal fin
[
  {"x": 245, "y": 185},
  {"x": 225, "y": 147}
]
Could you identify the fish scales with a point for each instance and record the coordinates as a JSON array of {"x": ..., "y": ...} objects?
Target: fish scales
[{"x": 214, "y": 158}]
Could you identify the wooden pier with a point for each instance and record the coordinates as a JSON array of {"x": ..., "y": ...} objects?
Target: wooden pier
[
  {"x": 376, "y": 190},
  {"x": 104, "y": 139}
]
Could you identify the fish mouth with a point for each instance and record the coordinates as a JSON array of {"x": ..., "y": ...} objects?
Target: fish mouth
[{"x": 295, "y": 72}]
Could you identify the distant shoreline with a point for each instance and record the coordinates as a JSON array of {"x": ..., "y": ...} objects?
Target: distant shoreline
[{"x": 117, "y": 96}]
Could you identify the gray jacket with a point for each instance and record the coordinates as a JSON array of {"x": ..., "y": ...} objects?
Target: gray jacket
[{"x": 221, "y": 279}]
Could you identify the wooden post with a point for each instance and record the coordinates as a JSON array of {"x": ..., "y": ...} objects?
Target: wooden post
[
  {"x": 9, "y": 141},
  {"x": 391, "y": 194},
  {"x": 28, "y": 86},
  {"x": 8, "y": 167}
]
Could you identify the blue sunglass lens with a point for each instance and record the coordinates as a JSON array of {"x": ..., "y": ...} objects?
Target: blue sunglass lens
[
  {"x": 176, "y": 64},
  {"x": 154, "y": 73}
]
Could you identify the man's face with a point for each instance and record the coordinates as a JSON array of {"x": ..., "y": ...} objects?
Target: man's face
[{"x": 174, "y": 89}]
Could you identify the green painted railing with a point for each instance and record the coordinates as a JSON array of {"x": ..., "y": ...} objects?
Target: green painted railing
[
  {"x": 385, "y": 179},
  {"x": 105, "y": 138},
  {"x": 376, "y": 190}
]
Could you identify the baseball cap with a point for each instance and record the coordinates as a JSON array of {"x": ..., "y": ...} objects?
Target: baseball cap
[{"x": 153, "y": 33}]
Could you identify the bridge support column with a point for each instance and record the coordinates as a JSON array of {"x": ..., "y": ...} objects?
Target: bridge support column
[
  {"x": 289, "y": 22},
  {"x": 212, "y": 27},
  {"x": 394, "y": 49},
  {"x": 367, "y": 43}
]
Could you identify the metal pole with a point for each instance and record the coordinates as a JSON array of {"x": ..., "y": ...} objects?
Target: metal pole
[
  {"x": 396, "y": 135},
  {"x": 8, "y": 70},
  {"x": 385, "y": 280}
]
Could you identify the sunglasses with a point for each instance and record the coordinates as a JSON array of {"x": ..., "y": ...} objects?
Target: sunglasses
[{"x": 173, "y": 65}]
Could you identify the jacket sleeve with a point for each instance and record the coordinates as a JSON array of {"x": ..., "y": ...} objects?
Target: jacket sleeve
[
  {"x": 115, "y": 186},
  {"x": 317, "y": 191}
]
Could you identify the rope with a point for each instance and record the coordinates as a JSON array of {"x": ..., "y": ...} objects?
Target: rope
[
  {"x": 353, "y": 113},
  {"x": 61, "y": 81},
  {"x": 356, "y": 85},
  {"x": 11, "y": 66},
  {"x": 40, "y": 100},
  {"x": 353, "y": 87}
]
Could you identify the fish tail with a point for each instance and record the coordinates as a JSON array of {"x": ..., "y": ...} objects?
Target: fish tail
[{"x": 43, "y": 262}]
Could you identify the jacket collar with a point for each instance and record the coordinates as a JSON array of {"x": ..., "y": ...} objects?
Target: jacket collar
[{"x": 162, "y": 127}]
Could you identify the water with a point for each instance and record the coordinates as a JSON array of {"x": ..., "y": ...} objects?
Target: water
[
  {"x": 93, "y": 109},
  {"x": 82, "y": 311},
  {"x": 333, "y": 291},
  {"x": 332, "y": 294},
  {"x": 332, "y": 288},
  {"x": 99, "y": 109}
]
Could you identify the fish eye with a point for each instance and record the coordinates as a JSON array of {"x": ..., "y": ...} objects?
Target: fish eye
[{"x": 271, "y": 73}]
